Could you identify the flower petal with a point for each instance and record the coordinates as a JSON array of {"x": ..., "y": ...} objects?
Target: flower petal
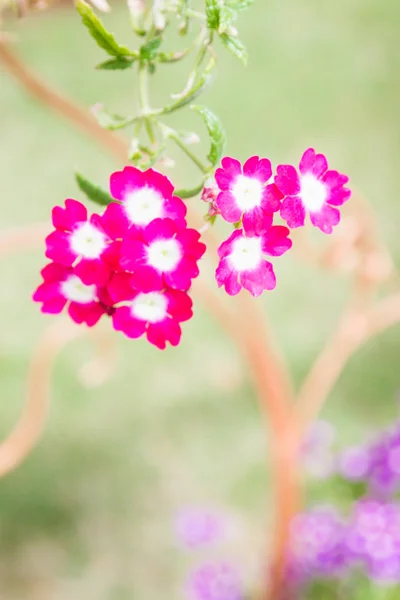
[
  {"x": 287, "y": 180},
  {"x": 228, "y": 278},
  {"x": 293, "y": 212},
  {"x": 258, "y": 280},
  {"x": 326, "y": 218},
  {"x": 123, "y": 321},
  {"x": 228, "y": 207},
  {"x": 314, "y": 163},
  {"x": 276, "y": 241},
  {"x": 66, "y": 218},
  {"x": 256, "y": 221},
  {"x": 85, "y": 313}
]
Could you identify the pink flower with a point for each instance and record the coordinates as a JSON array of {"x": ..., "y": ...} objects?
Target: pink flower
[
  {"x": 245, "y": 193},
  {"x": 61, "y": 287},
  {"x": 157, "y": 314},
  {"x": 242, "y": 263},
  {"x": 145, "y": 196},
  {"x": 315, "y": 189},
  {"x": 164, "y": 255},
  {"x": 77, "y": 237},
  {"x": 209, "y": 194}
]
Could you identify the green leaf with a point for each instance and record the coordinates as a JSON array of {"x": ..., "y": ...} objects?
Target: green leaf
[
  {"x": 92, "y": 191},
  {"x": 216, "y": 132},
  {"x": 116, "y": 64},
  {"x": 235, "y": 46},
  {"x": 212, "y": 13},
  {"x": 149, "y": 50},
  {"x": 194, "y": 91},
  {"x": 99, "y": 33},
  {"x": 109, "y": 120},
  {"x": 227, "y": 18},
  {"x": 239, "y": 4},
  {"x": 189, "y": 193}
]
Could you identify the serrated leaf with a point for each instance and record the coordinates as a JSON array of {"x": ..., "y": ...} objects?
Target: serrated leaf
[
  {"x": 99, "y": 33},
  {"x": 148, "y": 51},
  {"x": 109, "y": 120},
  {"x": 240, "y": 4},
  {"x": 92, "y": 191},
  {"x": 216, "y": 132},
  {"x": 115, "y": 64},
  {"x": 235, "y": 46},
  {"x": 212, "y": 13},
  {"x": 227, "y": 17}
]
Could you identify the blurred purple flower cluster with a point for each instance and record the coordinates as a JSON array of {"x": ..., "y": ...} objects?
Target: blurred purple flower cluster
[
  {"x": 324, "y": 545},
  {"x": 196, "y": 529},
  {"x": 377, "y": 463}
]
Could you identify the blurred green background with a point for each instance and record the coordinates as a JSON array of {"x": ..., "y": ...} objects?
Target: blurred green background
[{"x": 90, "y": 514}]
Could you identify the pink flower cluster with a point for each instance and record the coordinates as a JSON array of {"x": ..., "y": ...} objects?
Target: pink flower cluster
[
  {"x": 135, "y": 262},
  {"x": 249, "y": 196}
]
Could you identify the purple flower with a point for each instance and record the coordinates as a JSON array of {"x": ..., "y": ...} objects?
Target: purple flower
[
  {"x": 197, "y": 527},
  {"x": 317, "y": 545},
  {"x": 215, "y": 581},
  {"x": 374, "y": 539},
  {"x": 354, "y": 463}
]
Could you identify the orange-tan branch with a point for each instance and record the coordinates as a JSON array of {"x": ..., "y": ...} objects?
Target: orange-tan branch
[
  {"x": 16, "y": 447},
  {"x": 355, "y": 328}
]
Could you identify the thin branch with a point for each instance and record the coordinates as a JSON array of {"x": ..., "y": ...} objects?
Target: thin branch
[
  {"x": 354, "y": 329},
  {"x": 58, "y": 103},
  {"x": 19, "y": 443}
]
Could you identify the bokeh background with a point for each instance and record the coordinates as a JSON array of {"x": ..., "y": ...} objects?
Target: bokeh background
[{"x": 90, "y": 514}]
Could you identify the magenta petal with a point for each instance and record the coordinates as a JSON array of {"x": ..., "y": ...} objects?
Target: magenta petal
[
  {"x": 271, "y": 198},
  {"x": 114, "y": 221},
  {"x": 259, "y": 168},
  {"x": 179, "y": 305},
  {"x": 146, "y": 279},
  {"x": 47, "y": 291},
  {"x": 276, "y": 241},
  {"x": 225, "y": 176},
  {"x": 85, "y": 313},
  {"x": 256, "y": 221},
  {"x": 123, "y": 321},
  {"x": 227, "y": 277},
  {"x": 54, "y": 272},
  {"x": 176, "y": 209},
  {"x": 159, "y": 182},
  {"x": 93, "y": 272},
  {"x": 334, "y": 179},
  {"x": 228, "y": 207},
  {"x": 314, "y": 163},
  {"x": 119, "y": 287},
  {"x": 326, "y": 218},
  {"x": 123, "y": 181},
  {"x": 250, "y": 166},
  {"x": 159, "y": 228},
  {"x": 225, "y": 248},
  {"x": 133, "y": 254},
  {"x": 181, "y": 278},
  {"x": 258, "y": 280},
  {"x": 287, "y": 180},
  {"x": 53, "y": 306},
  {"x": 58, "y": 248},
  {"x": 166, "y": 331},
  {"x": 293, "y": 212},
  {"x": 66, "y": 218},
  {"x": 189, "y": 240},
  {"x": 339, "y": 196}
]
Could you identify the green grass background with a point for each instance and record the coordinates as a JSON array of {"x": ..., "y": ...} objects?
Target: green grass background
[{"x": 90, "y": 513}]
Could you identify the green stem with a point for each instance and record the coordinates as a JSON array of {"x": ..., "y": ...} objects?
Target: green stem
[
  {"x": 143, "y": 89},
  {"x": 173, "y": 136}
]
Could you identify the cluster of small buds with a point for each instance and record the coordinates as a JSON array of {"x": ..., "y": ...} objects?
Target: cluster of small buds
[
  {"x": 134, "y": 263},
  {"x": 249, "y": 196},
  {"x": 199, "y": 528}
]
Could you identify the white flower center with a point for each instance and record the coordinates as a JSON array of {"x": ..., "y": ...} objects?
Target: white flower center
[
  {"x": 313, "y": 192},
  {"x": 247, "y": 192},
  {"x": 143, "y": 205},
  {"x": 75, "y": 290},
  {"x": 151, "y": 307},
  {"x": 246, "y": 254},
  {"x": 164, "y": 255},
  {"x": 87, "y": 241}
]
